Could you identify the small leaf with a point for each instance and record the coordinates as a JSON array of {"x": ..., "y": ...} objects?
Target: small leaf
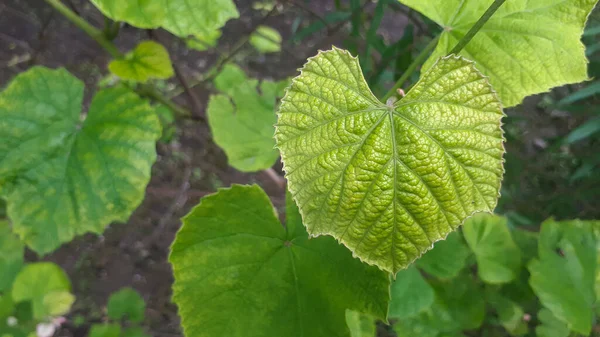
[
  {"x": 360, "y": 325},
  {"x": 411, "y": 294},
  {"x": 241, "y": 119},
  {"x": 239, "y": 273},
  {"x": 498, "y": 257},
  {"x": 38, "y": 280},
  {"x": 105, "y": 330},
  {"x": 148, "y": 60},
  {"x": 563, "y": 277},
  {"x": 58, "y": 302},
  {"x": 62, "y": 177},
  {"x": 11, "y": 256},
  {"x": 202, "y": 42},
  {"x": 550, "y": 326},
  {"x": 126, "y": 304},
  {"x": 266, "y": 40},
  {"x": 526, "y": 47},
  {"x": 390, "y": 180},
  {"x": 446, "y": 259},
  {"x": 510, "y": 313}
]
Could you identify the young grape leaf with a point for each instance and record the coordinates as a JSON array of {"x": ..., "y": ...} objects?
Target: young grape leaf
[
  {"x": 126, "y": 304},
  {"x": 390, "y": 180},
  {"x": 242, "y": 118},
  {"x": 527, "y": 47},
  {"x": 254, "y": 278},
  {"x": 446, "y": 259},
  {"x": 550, "y": 326},
  {"x": 41, "y": 283},
  {"x": 411, "y": 294},
  {"x": 148, "y": 60},
  {"x": 360, "y": 325},
  {"x": 62, "y": 177},
  {"x": 563, "y": 276},
  {"x": 498, "y": 257},
  {"x": 266, "y": 40},
  {"x": 180, "y": 17},
  {"x": 11, "y": 256}
]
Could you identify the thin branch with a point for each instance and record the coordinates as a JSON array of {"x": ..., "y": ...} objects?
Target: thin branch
[{"x": 477, "y": 26}]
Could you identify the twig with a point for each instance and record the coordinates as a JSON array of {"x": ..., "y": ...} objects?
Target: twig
[
  {"x": 477, "y": 26},
  {"x": 193, "y": 99},
  {"x": 310, "y": 11},
  {"x": 276, "y": 178}
]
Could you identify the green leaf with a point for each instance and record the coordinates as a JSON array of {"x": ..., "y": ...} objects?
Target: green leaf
[
  {"x": 148, "y": 60},
  {"x": 62, "y": 177},
  {"x": 360, "y": 325},
  {"x": 180, "y": 17},
  {"x": 411, "y": 294},
  {"x": 498, "y": 257},
  {"x": 509, "y": 313},
  {"x": 527, "y": 242},
  {"x": 134, "y": 332},
  {"x": 550, "y": 326},
  {"x": 390, "y": 180},
  {"x": 446, "y": 259},
  {"x": 266, "y": 40},
  {"x": 253, "y": 278},
  {"x": 126, "y": 304},
  {"x": 526, "y": 47},
  {"x": 105, "y": 330},
  {"x": 202, "y": 42},
  {"x": 460, "y": 301},
  {"x": 11, "y": 256},
  {"x": 241, "y": 119},
  {"x": 40, "y": 283},
  {"x": 563, "y": 276}
]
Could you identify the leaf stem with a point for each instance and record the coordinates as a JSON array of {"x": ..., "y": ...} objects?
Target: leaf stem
[
  {"x": 92, "y": 31},
  {"x": 412, "y": 67},
  {"x": 477, "y": 26}
]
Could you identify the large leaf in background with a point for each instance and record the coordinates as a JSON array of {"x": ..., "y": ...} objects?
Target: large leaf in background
[
  {"x": 62, "y": 177},
  {"x": 446, "y": 259},
  {"x": 254, "y": 278},
  {"x": 11, "y": 256},
  {"x": 390, "y": 180},
  {"x": 148, "y": 60},
  {"x": 360, "y": 325},
  {"x": 411, "y": 294},
  {"x": 126, "y": 304},
  {"x": 527, "y": 47},
  {"x": 180, "y": 17},
  {"x": 47, "y": 287},
  {"x": 242, "y": 118},
  {"x": 563, "y": 276},
  {"x": 550, "y": 326},
  {"x": 498, "y": 257}
]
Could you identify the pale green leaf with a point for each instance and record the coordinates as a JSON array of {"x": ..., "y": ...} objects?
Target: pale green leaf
[
  {"x": 148, "y": 60},
  {"x": 266, "y": 40},
  {"x": 58, "y": 302},
  {"x": 563, "y": 277},
  {"x": 390, "y": 180},
  {"x": 527, "y": 47},
  {"x": 550, "y": 326},
  {"x": 202, "y": 42},
  {"x": 446, "y": 259},
  {"x": 239, "y": 273},
  {"x": 241, "y": 119},
  {"x": 411, "y": 294},
  {"x": 360, "y": 325},
  {"x": 180, "y": 17},
  {"x": 126, "y": 304},
  {"x": 498, "y": 257},
  {"x": 38, "y": 280},
  {"x": 11, "y": 256},
  {"x": 105, "y": 330},
  {"x": 62, "y": 177}
]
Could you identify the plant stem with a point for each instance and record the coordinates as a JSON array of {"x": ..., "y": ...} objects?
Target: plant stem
[
  {"x": 412, "y": 67},
  {"x": 477, "y": 26},
  {"x": 92, "y": 31}
]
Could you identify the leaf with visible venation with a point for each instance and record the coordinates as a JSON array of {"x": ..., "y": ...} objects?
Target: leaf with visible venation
[
  {"x": 239, "y": 272},
  {"x": 266, "y": 40},
  {"x": 447, "y": 258},
  {"x": 498, "y": 257},
  {"x": 242, "y": 117},
  {"x": 180, "y": 17},
  {"x": 527, "y": 46},
  {"x": 360, "y": 325},
  {"x": 63, "y": 177},
  {"x": 390, "y": 180},
  {"x": 11, "y": 256},
  {"x": 411, "y": 294},
  {"x": 47, "y": 287},
  {"x": 148, "y": 60},
  {"x": 563, "y": 276},
  {"x": 126, "y": 304}
]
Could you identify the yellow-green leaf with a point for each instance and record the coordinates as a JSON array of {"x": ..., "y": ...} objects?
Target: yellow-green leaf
[
  {"x": 148, "y": 60},
  {"x": 266, "y": 40}
]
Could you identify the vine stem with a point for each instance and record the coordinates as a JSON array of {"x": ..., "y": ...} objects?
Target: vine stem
[
  {"x": 92, "y": 31},
  {"x": 412, "y": 67},
  {"x": 477, "y": 26}
]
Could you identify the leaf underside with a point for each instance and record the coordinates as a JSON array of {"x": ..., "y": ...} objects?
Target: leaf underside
[{"x": 390, "y": 180}]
